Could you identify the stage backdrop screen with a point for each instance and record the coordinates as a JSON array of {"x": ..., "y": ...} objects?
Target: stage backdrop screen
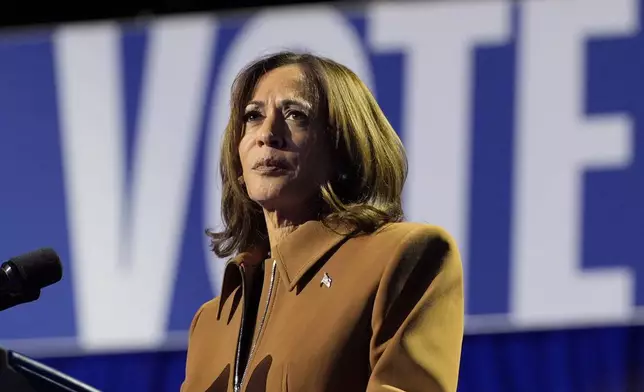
[{"x": 523, "y": 124}]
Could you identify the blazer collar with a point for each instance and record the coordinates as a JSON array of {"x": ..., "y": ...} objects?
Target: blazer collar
[
  {"x": 295, "y": 255},
  {"x": 234, "y": 275},
  {"x": 301, "y": 249}
]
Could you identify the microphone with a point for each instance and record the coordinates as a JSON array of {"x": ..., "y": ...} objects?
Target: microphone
[{"x": 22, "y": 277}]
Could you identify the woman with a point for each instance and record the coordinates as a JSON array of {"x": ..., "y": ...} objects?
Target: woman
[{"x": 328, "y": 290}]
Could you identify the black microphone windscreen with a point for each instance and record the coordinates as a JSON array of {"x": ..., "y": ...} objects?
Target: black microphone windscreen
[{"x": 39, "y": 268}]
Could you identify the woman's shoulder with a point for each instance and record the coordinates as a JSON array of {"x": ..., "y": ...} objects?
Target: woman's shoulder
[
  {"x": 422, "y": 258},
  {"x": 205, "y": 307},
  {"x": 413, "y": 231},
  {"x": 413, "y": 242}
]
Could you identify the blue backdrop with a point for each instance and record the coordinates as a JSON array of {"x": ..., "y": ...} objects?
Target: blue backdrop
[{"x": 523, "y": 124}]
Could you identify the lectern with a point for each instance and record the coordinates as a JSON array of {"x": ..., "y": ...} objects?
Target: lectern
[{"x": 19, "y": 373}]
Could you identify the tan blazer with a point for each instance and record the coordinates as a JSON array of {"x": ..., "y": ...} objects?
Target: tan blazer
[{"x": 378, "y": 312}]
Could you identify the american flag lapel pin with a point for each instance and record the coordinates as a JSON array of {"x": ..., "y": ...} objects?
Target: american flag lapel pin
[{"x": 326, "y": 280}]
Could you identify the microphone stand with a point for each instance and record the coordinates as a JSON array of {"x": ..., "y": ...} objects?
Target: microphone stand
[
  {"x": 19, "y": 373},
  {"x": 8, "y": 300},
  {"x": 21, "y": 279}
]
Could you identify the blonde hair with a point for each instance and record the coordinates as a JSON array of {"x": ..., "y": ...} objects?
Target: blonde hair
[{"x": 371, "y": 162}]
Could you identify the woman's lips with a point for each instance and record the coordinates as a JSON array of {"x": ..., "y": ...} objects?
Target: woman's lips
[{"x": 271, "y": 166}]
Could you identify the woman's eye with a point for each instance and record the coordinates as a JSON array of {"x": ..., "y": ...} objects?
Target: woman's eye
[
  {"x": 296, "y": 115},
  {"x": 252, "y": 116}
]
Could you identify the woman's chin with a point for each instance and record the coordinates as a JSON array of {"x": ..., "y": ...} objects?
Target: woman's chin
[
  {"x": 278, "y": 193},
  {"x": 277, "y": 199},
  {"x": 268, "y": 199}
]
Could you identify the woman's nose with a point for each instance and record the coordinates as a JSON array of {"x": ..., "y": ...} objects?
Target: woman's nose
[{"x": 271, "y": 133}]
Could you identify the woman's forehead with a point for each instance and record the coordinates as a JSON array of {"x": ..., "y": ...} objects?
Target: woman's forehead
[
  {"x": 283, "y": 80},
  {"x": 288, "y": 82}
]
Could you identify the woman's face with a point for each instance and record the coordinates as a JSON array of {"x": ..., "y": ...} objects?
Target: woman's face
[{"x": 283, "y": 152}]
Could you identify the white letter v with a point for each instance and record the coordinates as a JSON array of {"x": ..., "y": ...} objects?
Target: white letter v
[{"x": 125, "y": 247}]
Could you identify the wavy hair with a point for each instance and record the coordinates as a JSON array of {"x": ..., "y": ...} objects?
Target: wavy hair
[{"x": 371, "y": 164}]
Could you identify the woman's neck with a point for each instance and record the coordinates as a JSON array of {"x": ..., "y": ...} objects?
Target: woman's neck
[{"x": 280, "y": 224}]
